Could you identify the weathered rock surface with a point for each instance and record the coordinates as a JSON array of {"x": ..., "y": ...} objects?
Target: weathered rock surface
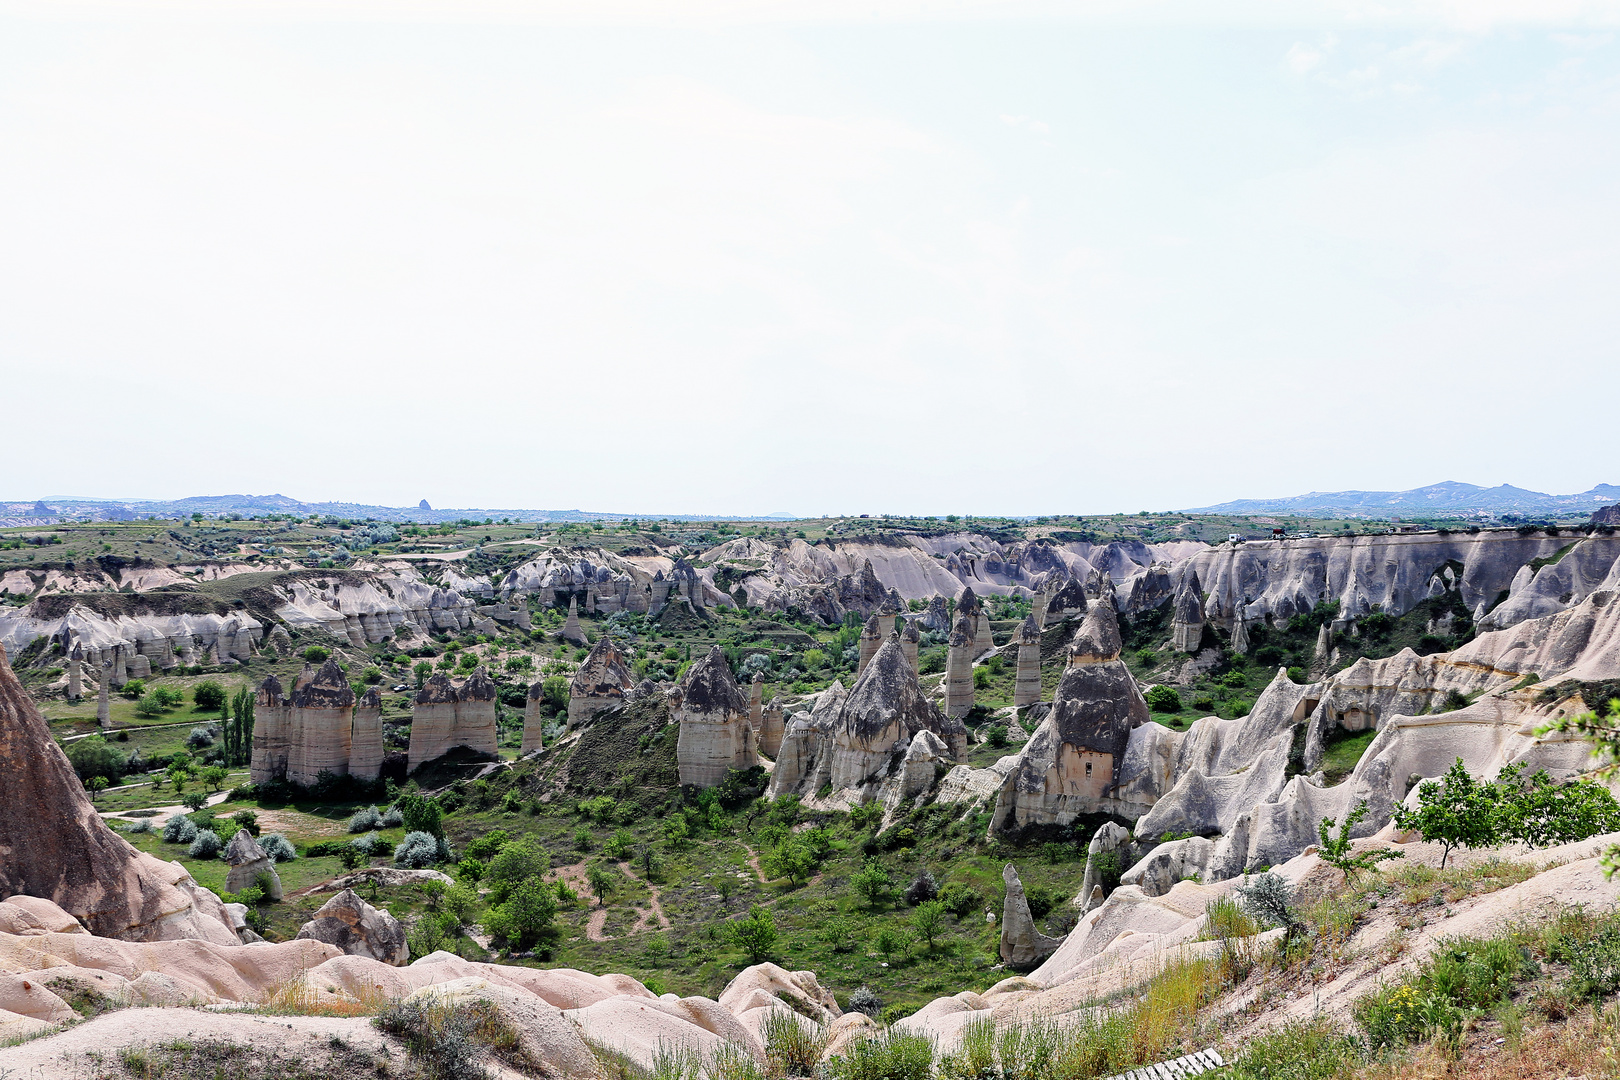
[
  {"x": 1027, "y": 683},
  {"x": 54, "y": 845},
  {"x": 1187, "y": 622},
  {"x": 355, "y": 927},
  {"x": 446, "y": 715},
  {"x": 715, "y": 735},
  {"x": 249, "y": 864},
  {"x": 959, "y": 669},
  {"x": 771, "y": 727},
  {"x": 1022, "y": 945},
  {"x": 320, "y": 725},
  {"x": 885, "y": 710},
  {"x": 601, "y": 682}
]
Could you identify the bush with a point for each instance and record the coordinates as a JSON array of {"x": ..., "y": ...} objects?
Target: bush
[
  {"x": 517, "y": 861},
  {"x": 959, "y": 899},
  {"x": 923, "y": 888},
  {"x": 205, "y": 845},
  {"x": 364, "y": 820},
  {"x": 149, "y": 707},
  {"x": 140, "y": 826},
  {"x": 996, "y": 737},
  {"x": 278, "y": 847},
  {"x": 419, "y": 813},
  {"x": 865, "y": 1000},
  {"x": 371, "y": 845},
  {"x": 392, "y": 818},
  {"x": 199, "y": 738},
  {"x": 485, "y": 847},
  {"x": 1299, "y": 1050},
  {"x": 792, "y": 1045},
  {"x": 180, "y": 830},
  {"x": 1268, "y": 898},
  {"x": 134, "y": 689},
  {"x": 889, "y": 1056},
  {"x": 317, "y": 655},
  {"x": 1163, "y": 699},
  {"x": 754, "y": 933},
  {"x": 525, "y": 915},
  {"x": 418, "y": 851},
  {"x": 94, "y": 756},
  {"x": 246, "y": 819},
  {"x": 208, "y": 695}
]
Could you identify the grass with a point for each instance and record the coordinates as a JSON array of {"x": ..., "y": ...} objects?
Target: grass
[
  {"x": 1342, "y": 753},
  {"x": 219, "y": 1059}
]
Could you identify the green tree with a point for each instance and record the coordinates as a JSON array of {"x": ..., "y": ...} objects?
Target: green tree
[
  {"x": 95, "y": 756},
  {"x": 1456, "y": 811},
  {"x": 792, "y": 859},
  {"x": 1163, "y": 699},
  {"x": 929, "y": 920},
  {"x": 214, "y": 777},
  {"x": 754, "y": 933},
  {"x": 194, "y": 801},
  {"x": 890, "y": 941},
  {"x": 1539, "y": 812},
  {"x": 601, "y": 882},
  {"x": 525, "y": 916},
  {"x": 1335, "y": 850},
  {"x": 96, "y": 785},
  {"x": 873, "y": 883},
  {"x": 208, "y": 695},
  {"x": 239, "y": 728},
  {"x": 422, "y": 814}
]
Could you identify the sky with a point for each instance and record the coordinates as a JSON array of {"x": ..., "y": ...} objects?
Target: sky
[{"x": 814, "y": 256}]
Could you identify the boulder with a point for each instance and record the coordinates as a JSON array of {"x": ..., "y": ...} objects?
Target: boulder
[
  {"x": 1022, "y": 945},
  {"x": 57, "y": 847},
  {"x": 799, "y": 989},
  {"x": 249, "y": 864},
  {"x": 351, "y": 924}
]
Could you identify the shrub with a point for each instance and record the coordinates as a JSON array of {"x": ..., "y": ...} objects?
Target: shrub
[
  {"x": 793, "y": 1044},
  {"x": 1164, "y": 699},
  {"x": 94, "y": 756},
  {"x": 516, "y": 861},
  {"x": 418, "y": 813},
  {"x": 959, "y": 899},
  {"x": 923, "y": 888},
  {"x": 208, "y": 695},
  {"x": 278, "y": 847},
  {"x": 364, "y": 820},
  {"x": 315, "y": 654},
  {"x": 246, "y": 819},
  {"x": 205, "y": 845},
  {"x": 1299, "y": 1050},
  {"x": 1335, "y": 850},
  {"x": 1269, "y": 898},
  {"x": 134, "y": 688},
  {"x": 1041, "y": 901},
  {"x": 996, "y": 737},
  {"x": 525, "y": 915},
  {"x": 391, "y": 819},
  {"x": 485, "y": 847},
  {"x": 889, "y": 1056},
  {"x": 141, "y": 826},
  {"x": 371, "y": 845},
  {"x": 149, "y": 707},
  {"x": 180, "y": 830},
  {"x": 618, "y": 845},
  {"x": 446, "y": 1041},
  {"x": 418, "y": 851},
  {"x": 865, "y": 1000}
]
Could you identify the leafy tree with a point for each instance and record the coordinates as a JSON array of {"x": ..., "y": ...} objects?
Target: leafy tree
[
  {"x": 96, "y": 785},
  {"x": 754, "y": 933},
  {"x": 1457, "y": 811},
  {"x": 792, "y": 859},
  {"x": 214, "y": 777},
  {"x": 351, "y": 857},
  {"x": 1539, "y": 812},
  {"x": 95, "y": 756},
  {"x": 526, "y": 914},
  {"x": 618, "y": 845},
  {"x": 890, "y": 941},
  {"x": 134, "y": 688},
  {"x": 149, "y": 707},
  {"x": 873, "y": 883},
  {"x": 601, "y": 882},
  {"x": 315, "y": 654},
  {"x": 1335, "y": 850},
  {"x": 929, "y": 920},
  {"x": 194, "y": 801},
  {"x": 208, "y": 695},
  {"x": 422, "y": 814},
  {"x": 516, "y": 862}
]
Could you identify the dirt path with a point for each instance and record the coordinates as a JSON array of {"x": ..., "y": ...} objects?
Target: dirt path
[
  {"x": 574, "y": 875},
  {"x": 593, "y": 928},
  {"x": 753, "y": 860},
  {"x": 162, "y": 814},
  {"x": 654, "y": 910}
]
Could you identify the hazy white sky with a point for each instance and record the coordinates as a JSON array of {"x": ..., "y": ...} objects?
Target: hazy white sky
[{"x": 807, "y": 255}]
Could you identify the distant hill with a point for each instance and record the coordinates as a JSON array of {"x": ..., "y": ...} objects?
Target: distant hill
[
  {"x": 79, "y": 507},
  {"x": 1450, "y": 497}
]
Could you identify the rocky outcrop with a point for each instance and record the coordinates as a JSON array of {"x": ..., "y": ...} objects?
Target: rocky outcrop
[
  {"x": 446, "y": 715},
  {"x": 354, "y": 926},
  {"x": 1071, "y": 764},
  {"x": 249, "y": 865},
  {"x": 1187, "y": 622},
  {"x": 57, "y": 848},
  {"x": 715, "y": 735},
  {"x": 756, "y": 702},
  {"x": 771, "y": 728},
  {"x": 804, "y": 764},
  {"x": 959, "y": 669},
  {"x": 871, "y": 639},
  {"x": 1108, "y": 854},
  {"x": 911, "y": 642},
  {"x": 1068, "y": 602},
  {"x": 885, "y": 711},
  {"x": 601, "y": 682},
  {"x": 536, "y": 713},
  {"x": 571, "y": 630},
  {"x": 1022, "y": 945},
  {"x": 320, "y": 725},
  {"x": 366, "y": 739},
  {"x": 1027, "y": 684}
]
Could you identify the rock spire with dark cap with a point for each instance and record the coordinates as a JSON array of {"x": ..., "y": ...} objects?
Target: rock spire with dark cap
[
  {"x": 1097, "y": 641},
  {"x": 715, "y": 735},
  {"x": 884, "y": 709},
  {"x": 1027, "y": 684},
  {"x": 1187, "y": 623},
  {"x": 1068, "y": 602},
  {"x": 601, "y": 682}
]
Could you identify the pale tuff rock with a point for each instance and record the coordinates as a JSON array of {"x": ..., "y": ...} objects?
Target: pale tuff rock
[
  {"x": 1240, "y": 634},
  {"x": 1027, "y": 685},
  {"x": 756, "y": 702},
  {"x": 1324, "y": 642},
  {"x": 970, "y": 605},
  {"x": 601, "y": 682},
  {"x": 1112, "y": 843},
  {"x": 248, "y": 864},
  {"x": 75, "y": 686},
  {"x": 1068, "y": 602},
  {"x": 366, "y": 741},
  {"x": 57, "y": 848},
  {"x": 715, "y": 735},
  {"x": 571, "y": 630},
  {"x": 771, "y": 729},
  {"x": 534, "y": 720},
  {"x": 1071, "y": 764},
  {"x": 270, "y": 732},
  {"x": 938, "y": 615},
  {"x": 320, "y": 726},
  {"x": 959, "y": 669},
  {"x": 925, "y": 755},
  {"x": 103, "y": 699},
  {"x": 1042, "y": 600},
  {"x": 1022, "y": 945},
  {"x": 871, "y": 639},
  {"x": 1187, "y": 623},
  {"x": 910, "y": 642},
  {"x": 1551, "y": 588},
  {"x": 445, "y": 716},
  {"x": 804, "y": 763},
  {"x": 885, "y": 710},
  {"x": 351, "y": 924}
]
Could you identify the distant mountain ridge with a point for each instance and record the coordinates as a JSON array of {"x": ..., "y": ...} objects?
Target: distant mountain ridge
[
  {"x": 24, "y": 511},
  {"x": 1449, "y": 497}
]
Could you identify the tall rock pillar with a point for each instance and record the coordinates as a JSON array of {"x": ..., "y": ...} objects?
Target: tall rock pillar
[
  {"x": 75, "y": 686},
  {"x": 715, "y": 735},
  {"x": 756, "y": 701},
  {"x": 1027, "y": 685},
  {"x": 103, "y": 702},
  {"x": 959, "y": 669},
  {"x": 571, "y": 630},
  {"x": 366, "y": 741},
  {"x": 770, "y": 728},
  {"x": 871, "y": 642},
  {"x": 323, "y": 711},
  {"x": 534, "y": 721},
  {"x": 910, "y": 642},
  {"x": 1187, "y": 625},
  {"x": 269, "y": 733}
]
